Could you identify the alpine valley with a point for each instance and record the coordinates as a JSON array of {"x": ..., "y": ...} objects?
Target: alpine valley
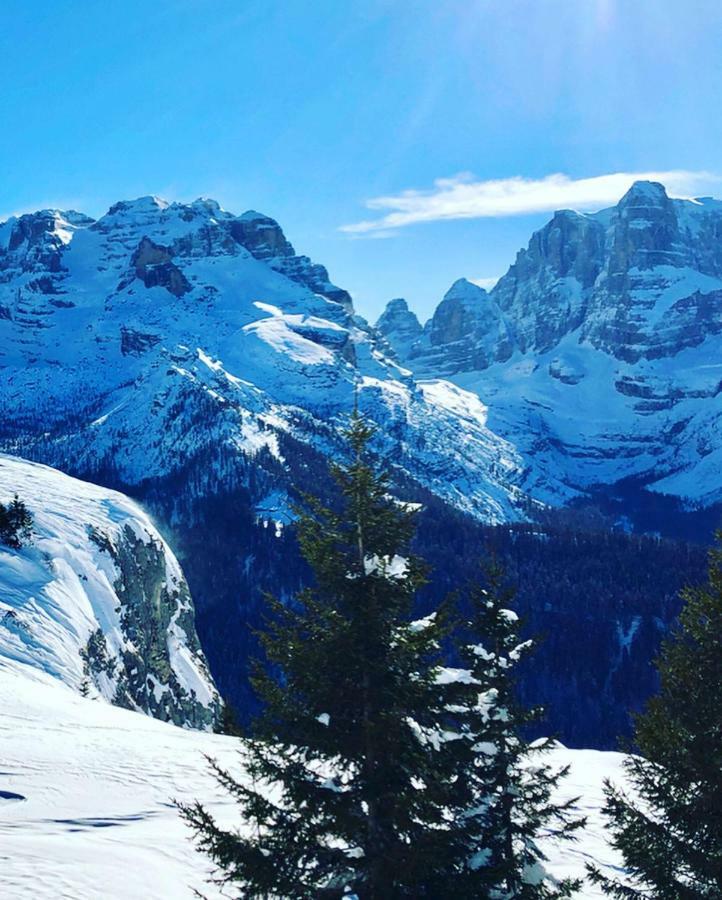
[{"x": 189, "y": 358}]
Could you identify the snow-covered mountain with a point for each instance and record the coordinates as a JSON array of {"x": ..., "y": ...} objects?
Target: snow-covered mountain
[
  {"x": 97, "y": 601},
  {"x": 133, "y": 345},
  {"x": 87, "y": 791},
  {"x": 599, "y": 353}
]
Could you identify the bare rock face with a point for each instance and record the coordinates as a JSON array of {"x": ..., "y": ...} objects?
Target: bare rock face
[
  {"x": 263, "y": 238},
  {"x": 135, "y": 343},
  {"x": 96, "y": 599},
  {"x": 153, "y": 264},
  {"x": 467, "y": 330},
  {"x": 400, "y": 327},
  {"x": 639, "y": 281},
  {"x": 545, "y": 294},
  {"x": 645, "y": 233},
  {"x": 261, "y": 235},
  {"x": 659, "y": 291}
]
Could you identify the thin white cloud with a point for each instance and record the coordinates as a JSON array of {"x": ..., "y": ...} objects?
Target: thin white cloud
[{"x": 462, "y": 197}]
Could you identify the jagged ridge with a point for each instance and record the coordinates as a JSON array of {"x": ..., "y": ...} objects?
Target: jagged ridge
[{"x": 598, "y": 352}]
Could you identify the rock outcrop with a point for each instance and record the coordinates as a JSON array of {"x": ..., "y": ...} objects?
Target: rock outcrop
[
  {"x": 96, "y": 599},
  {"x": 400, "y": 327}
]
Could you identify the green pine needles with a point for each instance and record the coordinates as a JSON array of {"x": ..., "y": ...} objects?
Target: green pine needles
[
  {"x": 669, "y": 827},
  {"x": 368, "y": 774}
]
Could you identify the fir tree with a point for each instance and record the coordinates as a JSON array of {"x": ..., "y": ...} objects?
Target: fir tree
[
  {"x": 504, "y": 802},
  {"x": 228, "y": 722},
  {"x": 669, "y": 829},
  {"x": 16, "y": 523},
  {"x": 347, "y": 792}
]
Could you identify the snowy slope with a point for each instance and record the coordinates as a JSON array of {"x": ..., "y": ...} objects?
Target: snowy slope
[
  {"x": 161, "y": 334},
  {"x": 599, "y": 353},
  {"x": 97, "y": 820},
  {"x": 97, "y": 601}
]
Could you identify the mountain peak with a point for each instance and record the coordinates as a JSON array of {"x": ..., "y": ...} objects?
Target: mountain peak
[
  {"x": 463, "y": 289},
  {"x": 261, "y": 235},
  {"x": 207, "y": 204},
  {"x": 252, "y": 215},
  {"x": 397, "y": 305},
  {"x": 645, "y": 193},
  {"x": 146, "y": 204},
  {"x": 399, "y": 326}
]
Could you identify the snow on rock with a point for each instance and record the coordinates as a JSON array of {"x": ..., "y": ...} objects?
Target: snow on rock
[
  {"x": 98, "y": 601},
  {"x": 90, "y": 812},
  {"x": 162, "y": 334},
  {"x": 597, "y": 355}
]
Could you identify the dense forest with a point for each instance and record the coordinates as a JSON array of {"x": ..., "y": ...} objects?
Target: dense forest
[{"x": 599, "y": 601}]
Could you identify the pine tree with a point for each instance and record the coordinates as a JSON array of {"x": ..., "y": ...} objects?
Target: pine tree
[
  {"x": 228, "y": 722},
  {"x": 504, "y": 803},
  {"x": 346, "y": 792},
  {"x": 669, "y": 829},
  {"x": 16, "y": 524}
]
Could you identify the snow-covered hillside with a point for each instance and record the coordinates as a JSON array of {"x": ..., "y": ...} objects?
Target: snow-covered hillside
[
  {"x": 97, "y": 600},
  {"x": 135, "y": 345},
  {"x": 599, "y": 353},
  {"x": 87, "y": 790}
]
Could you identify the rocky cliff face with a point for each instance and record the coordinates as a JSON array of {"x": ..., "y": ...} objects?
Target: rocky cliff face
[
  {"x": 466, "y": 332},
  {"x": 97, "y": 600},
  {"x": 263, "y": 237},
  {"x": 598, "y": 352},
  {"x": 400, "y": 327}
]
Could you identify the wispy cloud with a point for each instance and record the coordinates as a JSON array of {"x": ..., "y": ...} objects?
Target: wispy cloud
[{"x": 463, "y": 197}]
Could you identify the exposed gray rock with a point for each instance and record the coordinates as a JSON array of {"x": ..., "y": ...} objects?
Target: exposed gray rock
[
  {"x": 135, "y": 343},
  {"x": 400, "y": 327},
  {"x": 97, "y": 600},
  {"x": 154, "y": 265},
  {"x": 545, "y": 294},
  {"x": 262, "y": 236},
  {"x": 467, "y": 332}
]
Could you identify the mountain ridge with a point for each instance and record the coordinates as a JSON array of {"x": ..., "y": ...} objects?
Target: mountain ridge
[
  {"x": 110, "y": 328},
  {"x": 596, "y": 352}
]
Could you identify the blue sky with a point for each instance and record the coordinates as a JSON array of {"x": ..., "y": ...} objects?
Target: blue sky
[{"x": 456, "y": 114}]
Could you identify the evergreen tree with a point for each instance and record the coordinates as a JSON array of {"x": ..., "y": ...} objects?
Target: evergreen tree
[
  {"x": 669, "y": 829},
  {"x": 346, "y": 792},
  {"x": 228, "y": 722},
  {"x": 504, "y": 802},
  {"x": 16, "y": 523}
]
